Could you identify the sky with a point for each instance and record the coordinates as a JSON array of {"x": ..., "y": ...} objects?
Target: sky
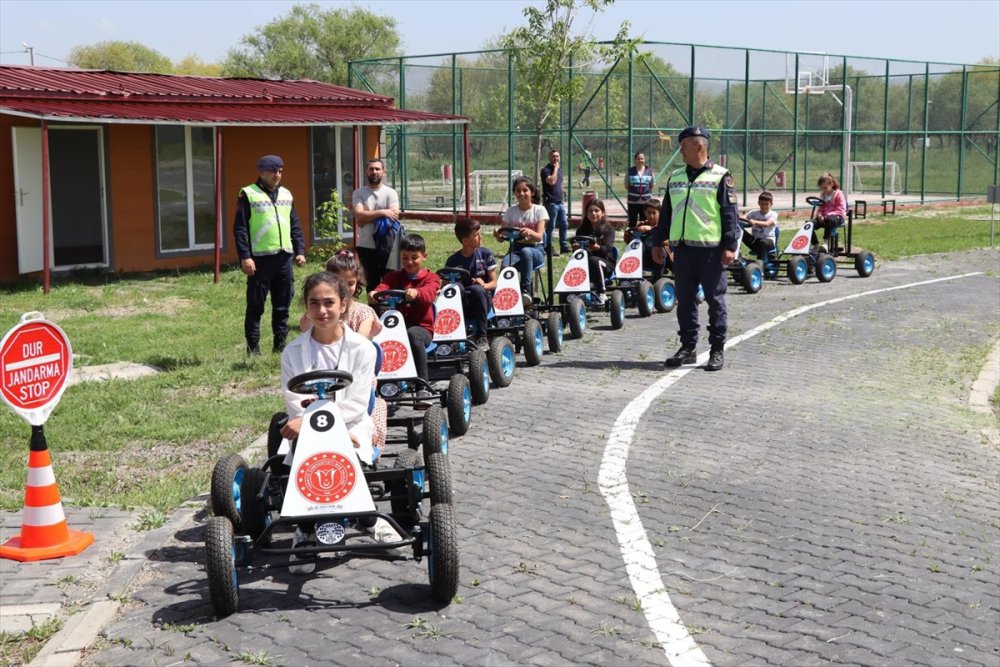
[{"x": 962, "y": 31}]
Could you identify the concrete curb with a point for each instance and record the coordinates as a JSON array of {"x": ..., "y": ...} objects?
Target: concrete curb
[
  {"x": 986, "y": 383},
  {"x": 81, "y": 630}
]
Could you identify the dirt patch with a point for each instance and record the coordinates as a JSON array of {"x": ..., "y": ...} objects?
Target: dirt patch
[{"x": 168, "y": 305}]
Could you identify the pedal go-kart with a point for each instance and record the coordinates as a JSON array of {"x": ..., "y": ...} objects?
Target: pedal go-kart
[
  {"x": 630, "y": 266},
  {"x": 747, "y": 272},
  {"x": 326, "y": 492},
  {"x": 497, "y": 359},
  {"x": 575, "y": 282},
  {"x": 397, "y": 380},
  {"x": 510, "y": 322},
  {"x": 543, "y": 308}
]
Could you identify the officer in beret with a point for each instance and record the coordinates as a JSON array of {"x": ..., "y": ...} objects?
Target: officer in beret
[
  {"x": 268, "y": 235},
  {"x": 699, "y": 230}
]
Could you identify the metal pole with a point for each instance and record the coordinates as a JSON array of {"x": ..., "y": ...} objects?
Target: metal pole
[
  {"x": 465, "y": 142},
  {"x": 885, "y": 124},
  {"x": 795, "y": 134},
  {"x": 510, "y": 118},
  {"x": 401, "y": 142},
  {"x": 909, "y": 113},
  {"x": 923, "y": 148},
  {"x": 454, "y": 137},
  {"x": 357, "y": 168},
  {"x": 218, "y": 203},
  {"x": 961, "y": 132},
  {"x": 746, "y": 122},
  {"x": 46, "y": 213},
  {"x": 568, "y": 202}
]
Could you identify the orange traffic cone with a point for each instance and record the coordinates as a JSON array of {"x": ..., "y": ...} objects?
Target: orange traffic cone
[{"x": 44, "y": 533}]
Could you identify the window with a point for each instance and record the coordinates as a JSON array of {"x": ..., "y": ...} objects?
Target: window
[
  {"x": 332, "y": 153},
  {"x": 185, "y": 177}
]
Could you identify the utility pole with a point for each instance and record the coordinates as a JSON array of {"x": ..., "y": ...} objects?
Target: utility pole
[{"x": 31, "y": 52}]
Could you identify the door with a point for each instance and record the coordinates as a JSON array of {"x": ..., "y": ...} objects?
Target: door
[{"x": 77, "y": 206}]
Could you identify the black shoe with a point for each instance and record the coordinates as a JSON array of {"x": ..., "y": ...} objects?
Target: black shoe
[
  {"x": 565, "y": 250},
  {"x": 279, "y": 345},
  {"x": 253, "y": 349},
  {"x": 685, "y": 355},
  {"x": 715, "y": 359},
  {"x": 482, "y": 343}
]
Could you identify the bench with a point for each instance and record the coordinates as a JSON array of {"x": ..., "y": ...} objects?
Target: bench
[{"x": 861, "y": 208}]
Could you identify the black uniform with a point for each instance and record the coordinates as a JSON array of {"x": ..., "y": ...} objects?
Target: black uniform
[{"x": 273, "y": 274}]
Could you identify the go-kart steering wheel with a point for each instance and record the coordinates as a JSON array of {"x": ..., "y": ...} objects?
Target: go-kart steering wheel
[
  {"x": 510, "y": 234},
  {"x": 320, "y": 383},
  {"x": 584, "y": 241},
  {"x": 454, "y": 274},
  {"x": 814, "y": 201},
  {"x": 389, "y": 297}
]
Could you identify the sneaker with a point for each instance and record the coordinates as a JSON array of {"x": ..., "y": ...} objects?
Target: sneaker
[
  {"x": 715, "y": 359},
  {"x": 602, "y": 298},
  {"x": 482, "y": 343},
  {"x": 565, "y": 250},
  {"x": 424, "y": 399},
  {"x": 685, "y": 355},
  {"x": 526, "y": 299},
  {"x": 383, "y": 532},
  {"x": 302, "y": 564}
]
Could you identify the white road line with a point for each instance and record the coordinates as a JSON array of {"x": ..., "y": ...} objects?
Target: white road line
[{"x": 640, "y": 561}]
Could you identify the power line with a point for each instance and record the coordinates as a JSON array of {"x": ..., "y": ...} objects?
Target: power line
[
  {"x": 6, "y": 53},
  {"x": 51, "y": 58}
]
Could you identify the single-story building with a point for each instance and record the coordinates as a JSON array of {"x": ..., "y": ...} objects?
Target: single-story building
[{"x": 142, "y": 170}]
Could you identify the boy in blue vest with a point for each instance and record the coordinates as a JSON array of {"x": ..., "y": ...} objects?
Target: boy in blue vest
[
  {"x": 482, "y": 267},
  {"x": 268, "y": 236}
]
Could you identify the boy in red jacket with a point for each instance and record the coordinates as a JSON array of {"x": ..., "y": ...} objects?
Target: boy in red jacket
[{"x": 421, "y": 288}]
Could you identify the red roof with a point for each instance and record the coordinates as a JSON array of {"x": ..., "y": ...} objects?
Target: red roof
[{"x": 115, "y": 97}]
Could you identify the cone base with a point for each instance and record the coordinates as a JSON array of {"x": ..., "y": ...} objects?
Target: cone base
[{"x": 74, "y": 544}]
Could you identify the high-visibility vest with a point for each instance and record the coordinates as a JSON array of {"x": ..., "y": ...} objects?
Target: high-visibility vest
[
  {"x": 270, "y": 221},
  {"x": 696, "y": 217}
]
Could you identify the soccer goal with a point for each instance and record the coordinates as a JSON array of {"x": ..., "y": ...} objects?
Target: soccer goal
[
  {"x": 490, "y": 188},
  {"x": 868, "y": 177}
]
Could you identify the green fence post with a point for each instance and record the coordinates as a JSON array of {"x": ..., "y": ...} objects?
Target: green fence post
[
  {"x": 923, "y": 148},
  {"x": 885, "y": 125},
  {"x": 746, "y": 121},
  {"x": 510, "y": 116},
  {"x": 795, "y": 133},
  {"x": 961, "y": 129},
  {"x": 454, "y": 135}
]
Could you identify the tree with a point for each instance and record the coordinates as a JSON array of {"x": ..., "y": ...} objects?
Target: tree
[
  {"x": 119, "y": 56},
  {"x": 543, "y": 51},
  {"x": 312, "y": 43},
  {"x": 195, "y": 66}
]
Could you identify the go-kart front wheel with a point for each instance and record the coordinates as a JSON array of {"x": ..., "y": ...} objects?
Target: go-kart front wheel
[
  {"x": 826, "y": 268},
  {"x": 220, "y": 565},
  {"x": 864, "y": 264},
  {"x": 227, "y": 487},
  {"x": 442, "y": 564},
  {"x": 256, "y": 514},
  {"x": 645, "y": 300},
  {"x": 501, "y": 361},
  {"x": 459, "y": 405},
  {"x": 798, "y": 269},
  {"x": 752, "y": 277},
  {"x": 399, "y": 500},
  {"x": 664, "y": 295},
  {"x": 617, "y": 309},
  {"x": 555, "y": 331},
  {"x": 532, "y": 341},
  {"x": 479, "y": 377},
  {"x": 577, "y": 316}
]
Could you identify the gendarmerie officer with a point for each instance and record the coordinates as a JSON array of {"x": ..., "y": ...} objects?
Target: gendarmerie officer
[
  {"x": 268, "y": 236},
  {"x": 699, "y": 226}
]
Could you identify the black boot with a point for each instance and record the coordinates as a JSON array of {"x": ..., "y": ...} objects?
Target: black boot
[
  {"x": 279, "y": 344},
  {"x": 686, "y": 355},
  {"x": 253, "y": 348},
  {"x": 715, "y": 359}
]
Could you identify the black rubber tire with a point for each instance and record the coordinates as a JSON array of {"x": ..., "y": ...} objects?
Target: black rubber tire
[
  {"x": 532, "y": 341},
  {"x": 555, "y": 332},
  {"x": 825, "y": 260},
  {"x": 256, "y": 514},
  {"x": 443, "y": 564},
  {"x": 438, "y": 478},
  {"x": 793, "y": 273},
  {"x": 220, "y": 565},
  {"x": 661, "y": 306},
  {"x": 458, "y": 423},
  {"x": 274, "y": 433},
  {"x": 227, "y": 478},
  {"x": 642, "y": 293},
  {"x": 495, "y": 358},
  {"x": 617, "y": 309},
  {"x": 432, "y": 435},
  {"x": 479, "y": 377},
  {"x": 577, "y": 315},
  {"x": 864, "y": 264},
  {"x": 399, "y": 502},
  {"x": 747, "y": 277}
]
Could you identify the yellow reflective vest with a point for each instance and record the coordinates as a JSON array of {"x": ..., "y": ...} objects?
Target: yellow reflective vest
[
  {"x": 270, "y": 221},
  {"x": 696, "y": 217}
]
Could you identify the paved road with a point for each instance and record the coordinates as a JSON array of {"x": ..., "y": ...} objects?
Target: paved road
[{"x": 828, "y": 497}]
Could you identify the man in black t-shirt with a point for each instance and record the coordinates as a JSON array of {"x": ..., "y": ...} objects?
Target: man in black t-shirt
[{"x": 552, "y": 199}]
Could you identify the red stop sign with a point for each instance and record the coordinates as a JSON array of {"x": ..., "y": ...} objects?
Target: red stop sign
[{"x": 35, "y": 362}]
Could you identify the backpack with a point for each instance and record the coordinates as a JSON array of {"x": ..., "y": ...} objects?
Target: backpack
[{"x": 386, "y": 231}]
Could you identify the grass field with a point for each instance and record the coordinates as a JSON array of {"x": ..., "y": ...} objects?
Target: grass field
[{"x": 152, "y": 442}]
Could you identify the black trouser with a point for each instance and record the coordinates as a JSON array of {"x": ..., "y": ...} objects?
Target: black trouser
[
  {"x": 694, "y": 266},
  {"x": 649, "y": 266},
  {"x": 274, "y": 275},
  {"x": 636, "y": 212},
  {"x": 476, "y": 302},
  {"x": 829, "y": 223},
  {"x": 420, "y": 338},
  {"x": 760, "y": 246},
  {"x": 374, "y": 263}
]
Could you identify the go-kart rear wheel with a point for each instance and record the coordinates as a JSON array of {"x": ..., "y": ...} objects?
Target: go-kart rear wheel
[
  {"x": 479, "y": 377},
  {"x": 826, "y": 268},
  {"x": 577, "y": 316},
  {"x": 434, "y": 437},
  {"x": 645, "y": 301},
  {"x": 664, "y": 295},
  {"x": 442, "y": 563},
  {"x": 752, "y": 277},
  {"x": 459, "y": 404},
  {"x": 256, "y": 514},
  {"x": 220, "y": 565},
  {"x": 617, "y": 309},
  {"x": 399, "y": 501},
  {"x": 555, "y": 331},
  {"x": 533, "y": 341},
  {"x": 501, "y": 361},
  {"x": 438, "y": 478},
  {"x": 798, "y": 269},
  {"x": 227, "y": 483},
  {"x": 864, "y": 263}
]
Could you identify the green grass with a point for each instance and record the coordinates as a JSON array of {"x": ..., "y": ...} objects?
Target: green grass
[
  {"x": 152, "y": 442},
  {"x": 21, "y": 648}
]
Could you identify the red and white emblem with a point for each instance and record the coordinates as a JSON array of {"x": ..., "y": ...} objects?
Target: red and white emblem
[
  {"x": 629, "y": 265},
  {"x": 575, "y": 277},
  {"x": 506, "y": 298},
  {"x": 446, "y": 322},
  {"x": 800, "y": 242},
  {"x": 326, "y": 478},
  {"x": 394, "y": 355}
]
